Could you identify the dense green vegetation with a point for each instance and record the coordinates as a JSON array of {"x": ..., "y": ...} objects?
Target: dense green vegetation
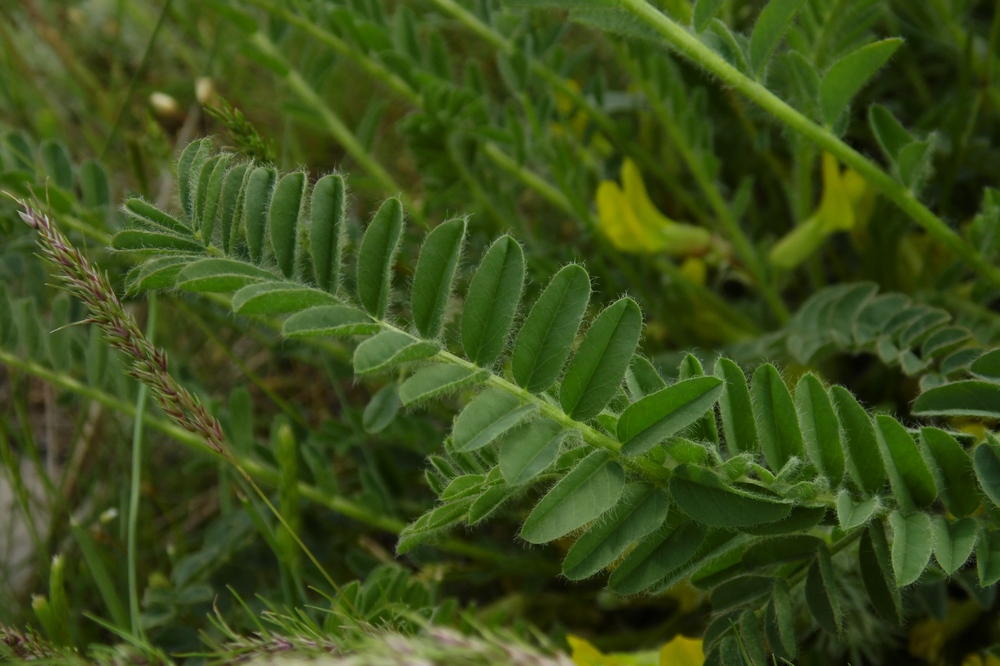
[{"x": 604, "y": 332}]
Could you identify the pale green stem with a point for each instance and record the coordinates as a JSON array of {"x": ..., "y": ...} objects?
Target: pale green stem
[
  {"x": 135, "y": 485},
  {"x": 904, "y": 198}
]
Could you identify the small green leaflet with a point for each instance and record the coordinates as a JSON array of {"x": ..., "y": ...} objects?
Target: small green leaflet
[
  {"x": 820, "y": 427},
  {"x": 526, "y": 450},
  {"x": 256, "y": 197},
  {"x": 437, "y": 380},
  {"x": 492, "y": 300},
  {"x": 779, "y": 623},
  {"x": 769, "y": 29},
  {"x": 273, "y": 298},
  {"x": 381, "y": 410},
  {"x": 336, "y": 320},
  {"x": 910, "y": 478},
  {"x": 653, "y": 419},
  {"x": 774, "y": 411},
  {"x": 670, "y": 547},
  {"x": 220, "y": 275},
  {"x": 546, "y": 338},
  {"x": 850, "y": 74},
  {"x": 327, "y": 212},
  {"x": 986, "y": 461},
  {"x": 592, "y": 488},
  {"x": 853, "y": 515},
  {"x": 988, "y": 558},
  {"x": 704, "y": 12},
  {"x": 912, "y": 542},
  {"x": 965, "y": 398},
  {"x": 492, "y": 413},
  {"x": 863, "y": 460},
  {"x": 435, "y": 273},
  {"x": 735, "y": 408},
  {"x": 641, "y": 510},
  {"x": 430, "y": 525},
  {"x": 150, "y": 216},
  {"x": 954, "y": 472},
  {"x": 376, "y": 256},
  {"x": 388, "y": 349},
  {"x": 595, "y": 374},
  {"x": 142, "y": 242},
  {"x": 822, "y": 596},
  {"x": 701, "y": 495},
  {"x": 987, "y": 366},
  {"x": 283, "y": 219},
  {"x": 876, "y": 573},
  {"x": 953, "y": 542}
]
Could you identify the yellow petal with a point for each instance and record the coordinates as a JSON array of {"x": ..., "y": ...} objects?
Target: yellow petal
[
  {"x": 619, "y": 222},
  {"x": 682, "y": 651},
  {"x": 585, "y": 654},
  {"x": 694, "y": 269},
  {"x": 638, "y": 198},
  {"x": 862, "y": 196},
  {"x": 835, "y": 210}
]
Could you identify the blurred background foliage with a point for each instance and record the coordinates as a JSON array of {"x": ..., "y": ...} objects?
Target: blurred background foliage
[{"x": 520, "y": 120}]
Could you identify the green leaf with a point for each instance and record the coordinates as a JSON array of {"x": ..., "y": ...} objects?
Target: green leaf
[
  {"x": 595, "y": 374},
  {"x": 212, "y": 194},
  {"x": 487, "y": 503},
  {"x": 798, "y": 519},
  {"x": 336, "y": 320},
  {"x": 141, "y": 242},
  {"x": 642, "y": 378},
  {"x": 283, "y": 219},
  {"x": 876, "y": 573},
  {"x": 850, "y": 74},
  {"x": 706, "y": 428},
  {"x": 822, "y": 596},
  {"x": 704, "y": 12},
  {"x": 590, "y": 489},
  {"x": 381, "y": 410},
  {"x": 769, "y": 29},
  {"x": 94, "y": 186},
  {"x": 376, "y": 256},
  {"x": 432, "y": 282},
  {"x": 437, "y": 380},
  {"x": 272, "y": 298},
  {"x": 150, "y": 216},
  {"x": 740, "y": 591},
  {"x": 987, "y": 366},
  {"x": 751, "y": 639},
  {"x": 736, "y": 409},
  {"x": 911, "y": 480},
  {"x": 491, "y": 414},
  {"x": 430, "y": 525},
  {"x": 768, "y": 553},
  {"x": 820, "y": 428},
  {"x": 389, "y": 349},
  {"x": 492, "y": 300},
  {"x": 220, "y": 275},
  {"x": 641, "y": 510},
  {"x": 986, "y": 461},
  {"x": 256, "y": 199},
  {"x": 526, "y": 450},
  {"x": 646, "y": 423},
  {"x": 914, "y": 161},
  {"x": 954, "y": 542},
  {"x": 160, "y": 273},
  {"x": 201, "y": 192},
  {"x": 546, "y": 338},
  {"x": 670, "y": 547},
  {"x": 230, "y": 204},
  {"x": 57, "y": 163},
  {"x": 326, "y": 230},
  {"x": 701, "y": 495},
  {"x": 779, "y": 624},
  {"x": 912, "y": 542},
  {"x": 863, "y": 459},
  {"x": 892, "y": 137},
  {"x": 777, "y": 423},
  {"x": 988, "y": 558},
  {"x": 944, "y": 340},
  {"x": 853, "y": 515},
  {"x": 955, "y": 475},
  {"x": 189, "y": 166}
]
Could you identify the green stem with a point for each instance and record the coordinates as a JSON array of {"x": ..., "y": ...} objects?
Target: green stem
[
  {"x": 135, "y": 486},
  {"x": 903, "y": 197}
]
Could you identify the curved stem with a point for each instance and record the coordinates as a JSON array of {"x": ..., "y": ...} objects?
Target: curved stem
[{"x": 691, "y": 47}]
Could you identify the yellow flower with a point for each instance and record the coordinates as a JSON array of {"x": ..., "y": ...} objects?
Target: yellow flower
[
  {"x": 633, "y": 224},
  {"x": 680, "y": 651},
  {"x": 848, "y": 202}
]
